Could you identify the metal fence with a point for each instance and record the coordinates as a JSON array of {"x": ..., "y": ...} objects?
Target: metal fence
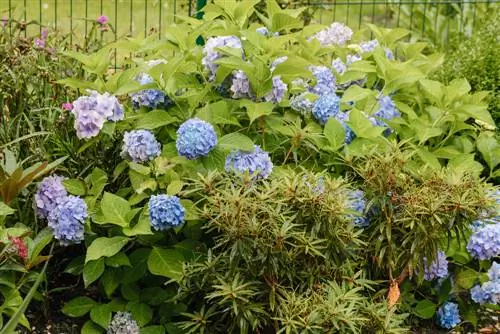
[{"x": 435, "y": 20}]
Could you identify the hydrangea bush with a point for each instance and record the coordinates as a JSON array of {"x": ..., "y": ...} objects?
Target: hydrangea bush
[{"x": 292, "y": 171}]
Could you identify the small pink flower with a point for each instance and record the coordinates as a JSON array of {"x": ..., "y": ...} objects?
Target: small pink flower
[
  {"x": 103, "y": 19},
  {"x": 45, "y": 33},
  {"x": 39, "y": 43},
  {"x": 67, "y": 106},
  {"x": 22, "y": 249},
  {"x": 4, "y": 21}
]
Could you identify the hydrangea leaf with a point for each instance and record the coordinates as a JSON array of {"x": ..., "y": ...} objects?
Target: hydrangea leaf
[
  {"x": 142, "y": 313},
  {"x": 334, "y": 132},
  {"x": 78, "y": 307},
  {"x": 466, "y": 278},
  {"x": 91, "y": 328},
  {"x": 105, "y": 247},
  {"x": 425, "y": 309},
  {"x": 154, "y": 119},
  {"x": 236, "y": 141},
  {"x": 356, "y": 93},
  {"x": 166, "y": 262},
  {"x": 101, "y": 315},
  {"x": 256, "y": 110},
  {"x": 92, "y": 271},
  {"x": 75, "y": 187},
  {"x": 489, "y": 148},
  {"x": 115, "y": 209}
]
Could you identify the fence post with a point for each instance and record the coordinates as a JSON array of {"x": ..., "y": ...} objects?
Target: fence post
[{"x": 199, "y": 15}]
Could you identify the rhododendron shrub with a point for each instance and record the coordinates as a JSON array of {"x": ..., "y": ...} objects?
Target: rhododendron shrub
[{"x": 270, "y": 179}]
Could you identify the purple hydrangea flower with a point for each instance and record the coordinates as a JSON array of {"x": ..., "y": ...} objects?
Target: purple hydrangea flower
[
  {"x": 437, "y": 269},
  {"x": 369, "y": 46},
  {"x": 140, "y": 146},
  {"x": 357, "y": 203},
  {"x": 241, "y": 85},
  {"x": 50, "y": 192},
  {"x": 301, "y": 103},
  {"x": 39, "y": 43},
  {"x": 165, "y": 211},
  {"x": 339, "y": 66},
  {"x": 67, "y": 220},
  {"x": 123, "y": 323},
  {"x": 448, "y": 315},
  {"x": 325, "y": 80},
  {"x": 103, "y": 19},
  {"x": 195, "y": 138},
  {"x": 336, "y": 34},
  {"x": 326, "y": 106},
  {"x": 210, "y": 54},
  {"x": 256, "y": 163},
  {"x": 278, "y": 92},
  {"x": 484, "y": 243}
]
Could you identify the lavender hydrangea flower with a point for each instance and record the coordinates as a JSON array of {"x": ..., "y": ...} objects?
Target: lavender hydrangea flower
[
  {"x": 369, "y": 46},
  {"x": 494, "y": 271},
  {"x": 343, "y": 118},
  {"x": 387, "y": 111},
  {"x": 336, "y": 34},
  {"x": 50, "y": 192},
  {"x": 477, "y": 295},
  {"x": 278, "y": 92},
  {"x": 241, "y": 85},
  {"x": 67, "y": 220},
  {"x": 150, "y": 98},
  {"x": 265, "y": 32},
  {"x": 448, "y": 315},
  {"x": 326, "y": 106},
  {"x": 352, "y": 59},
  {"x": 140, "y": 146},
  {"x": 301, "y": 103},
  {"x": 195, "y": 138},
  {"x": 437, "y": 269},
  {"x": 484, "y": 242},
  {"x": 339, "y": 66},
  {"x": 123, "y": 323},
  {"x": 257, "y": 163},
  {"x": 488, "y": 293},
  {"x": 357, "y": 203},
  {"x": 165, "y": 211},
  {"x": 325, "y": 80},
  {"x": 210, "y": 54}
]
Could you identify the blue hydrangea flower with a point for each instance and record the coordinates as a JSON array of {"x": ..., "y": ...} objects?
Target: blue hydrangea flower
[
  {"x": 241, "y": 85},
  {"x": 210, "y": 54},
  {"x": 357, "y": 203},
  {"x": 387, "y": 111},
  {"x": 448, "y": 315},
  {"x": 265, "y": 32},
  {"x": 437, "y": 269},
  {"x": 494, "y": 271},
  {"x": 325, "y": 80},
  {"x": 339, "y": 66},
  {"x": 477, "y": 294},
  {"x": 369, "y": 46},
  {"x": 195, "y": 138},
  {"x": 484, "y": 242},
  {"x": 336, "y": 34},
  {"x": 301, "y": 103},
  {"x": 150, "y": 98},
  {"x": 488, "y": 293},
  {"x": 92, "y": 111},
  {"x": 349, "y": 134},
  {"x": 67, "y": 220},
  {"x": 389, "y": 54},
  {"x": 278, "y": 92},
  {"x": 277, "y": 61},
  {"x": 256, "y": 163},
  {"x": 326, "y": 106},
  {"x": 50, "y": 192},
  {"x": 123, "y": 323},
  {"x": 165, "y": 211},
  {"x": 352, "y": 59},
  {"x": 140, "y": 146}
]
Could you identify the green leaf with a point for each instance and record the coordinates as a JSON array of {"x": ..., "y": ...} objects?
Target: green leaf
[
  {"x": 215, "y": 159},
  {"x": 143, "y": 227},
  {"x": 425, "y": 309},
  {"x": 91, "y": 328},
  {"x": 98, "y": 179},
  {"x": 334, "y": 132},
  {"x": 78, "y": 307},
  {"x": 236, "y": 141},
  {"x": 428, "y": 158},
  {"x": 489, "y": 148},
  {"x": 166, "y": 262},
  {"x": 257, "y": 109},
  {"x": 175, "y": 187},
  {"x": 434, "y": 89},
  {"x": 105, "y": 247},
  {"x": 141, "y": 312},
  {"x": 118, "y": 260},
  {"x": 478, "y": 112},
  {"x": 466, "y": 278},
  {"x": 5, "y": 210},
  {"x": 77, "y": 84},
  {"x": 92, "y": 271},
  {"x": 217, "y": 113},
  {"x": 362, "y": 126},
  {"x": 154, "y": 119},
  {"x": 191, "y": 209},
  {"x": 356, "y": 93},
  {"x": 111, "y": 280},
  {"x": 75, "y": 187},
  {"x": 153, "y": 330},
  {"x": 115, "y": 209},
  {"x": 43, "y": 238},
  {"x": 101, "y": 315},
  {"x": 444, "y": 291}
]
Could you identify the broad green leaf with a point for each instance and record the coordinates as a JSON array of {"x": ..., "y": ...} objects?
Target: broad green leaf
[
  {"x": 356, "y": 93},
  {"x": 43, "y": 238},
  {"x": 362, "y": 126},
  {"x": 154, "y": 119},
  {"x": 115, "y": 209},
  {"x": 142, "y": 313},
  {"x": 477, "y": 112},
  {"x": 466, "y": 278},
  {"x": 118, "y": 260},
  {"x": 429, "y": 158},
  {"x": 75, "y": 187},
  {"x": 191, "y": 209},
  {"x": 110, "y": 280},
  {"x": 489, "y": 148},
  {"x": 153, "y": 330},
  {"x": 425, "y": 309},
  {"x": 91, "y": 328},
  {"x": 78, "y": 307},
  {"x": 166, "y": 262},
  {"x": 92, "y": 271},
  {"x": 334, "y": 132},
  {"x": 98, "y": 178},
  {"x": 5, "y": 210},
  {"x": 236, "y": 141},
  {"x": 257, "y": 109},
  {"x": 434, "y": 89},
  {"x": 105, "y": 247},
  {"x": 175, "y": 187},
  {"x": 101, "y": 315},
  {"x": 139, "y": 259},
  {"x": 143, "y": 227}
]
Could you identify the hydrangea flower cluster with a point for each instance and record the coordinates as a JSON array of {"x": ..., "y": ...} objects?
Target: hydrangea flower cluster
[
  {"x": 240, "y": 85},
  {"x": 92, "y": 111},
  {"x": 437, "y": 269},
  {"x": 369, "y": 46},
  {"x": 350, "y": 59},
  {"x": 165, "y": 211},
  {"x": 140, "y": 146},
  {"x": 489, "y": 292},
  {"x": 65, "y": 214},
  {"x": 484, "y": 242},
  {"x": 150, "y": 98},
  {"x": 339, "y": 66},
  {"x": 257, "y": 163},
  {"x": 357, "y": 203},
  {"x": 326, "y": 106},
  {"x": 336, "y": 34},
  {"x": 210, "y": 54},
  {"x": 278, "y": 92},
  {"x": 325, "y": 80},
  {"x": 195, "y": 138},
  {"x": 123, "y": 323},
  {"x": 448, "y": 315},
  {"x": 301, "y": 103},
  {"x": 387, "y": 111}
]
